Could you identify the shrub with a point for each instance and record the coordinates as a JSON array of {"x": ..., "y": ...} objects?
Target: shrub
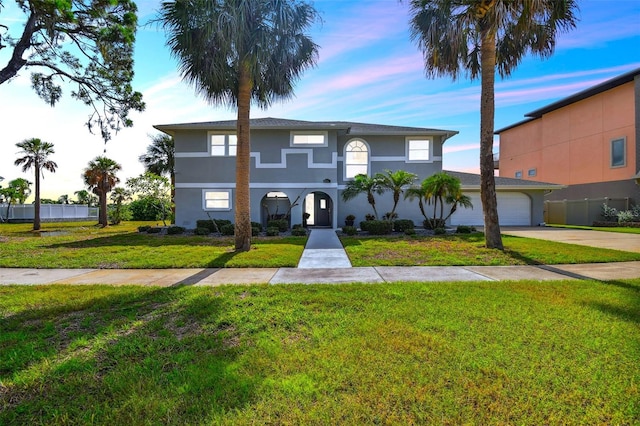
[
  {"x": 350, "y": 230},
  {"x": 116, "y": 213},
  {"x": 350, "y": 217},
  {"x": 379, "y": 227},
  {"x": 209, "y": 224},
  {"x": 364, "y": 225},
  {"x": 227, "y": 229},
  {"x": 148, "y": 209},
  {"x": 143, "y": 228},
  {"x": 464, "y": 229},
  {"x": 609, "y": 213},
  {"x": 402, "y": 225},
  {"x": 410, "y": 231},
  {"x": 272, "y": 232},
  {"x": 281, "y": 224},
  {"x": 625, "y": 216},
  {"x": 369, "y": 216},
  {"x": 390, "y": 216},
  {"x": 175, "y": 230},
  {"x": 255, "y": 231},
  {"x": 427, "y": 223},
  {"x": 257, "y": 225},
  {"x": 299, "y": 232},
  {"x": 154, "y": 230},
  {"x": 439, "y": 231},
  {"x": 202, "y": 230},
  {"x": 296, "y": 226}
]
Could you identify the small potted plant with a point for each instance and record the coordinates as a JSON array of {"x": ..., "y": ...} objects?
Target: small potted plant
[{"x": 349, "y": 220}]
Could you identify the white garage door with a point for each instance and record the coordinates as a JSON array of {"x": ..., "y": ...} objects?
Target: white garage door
[{"x": 514, "y": 209}]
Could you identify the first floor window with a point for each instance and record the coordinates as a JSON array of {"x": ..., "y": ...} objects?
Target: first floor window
[
  {"x": 532, "y": 172},
  {"x": 418, "y": 149},
  {"x": 223, "y": 145},
  {"x": 518, "y": 174},
  {"x": 217, "y": 200},
  {"x": 356, "y": 159},
  {"x": 618, "y": 153}
]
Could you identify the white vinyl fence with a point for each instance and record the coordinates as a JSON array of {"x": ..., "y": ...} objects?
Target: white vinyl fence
[{"x": 48, "y": 212}]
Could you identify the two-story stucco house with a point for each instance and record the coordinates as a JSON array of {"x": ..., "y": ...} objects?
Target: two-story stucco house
[
  {"x": 589, "y": 141},
  {"x": 300, "y": 167}
]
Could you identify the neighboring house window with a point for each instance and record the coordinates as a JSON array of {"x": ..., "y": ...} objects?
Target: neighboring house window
[
  {"x": 618, "y": 153},
  {"x": 223, "y": 145},
  {"x": 519, "y": 174},
  {"x": 309, "y": 138},
  {"x": 418, "y": 149},
  {"x": 217, "y": 200},
  {"x": 532, "y": 172},
  {"x": 356, "y": 159}
]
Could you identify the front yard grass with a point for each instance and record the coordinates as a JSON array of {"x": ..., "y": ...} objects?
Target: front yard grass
[
  {"x": 468, "y": 250},
  {"x": 87, "y": 246},
  {"x": 73, "y": 245},
  {"x": 562, "y": 352}
]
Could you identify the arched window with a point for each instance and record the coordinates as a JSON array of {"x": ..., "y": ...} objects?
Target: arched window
[{"x": 356, "y": 159}]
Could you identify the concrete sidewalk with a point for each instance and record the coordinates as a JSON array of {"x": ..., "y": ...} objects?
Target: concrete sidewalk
[
  {"x": 214, "y": 277},
  {"x": 324, "y": 250}
]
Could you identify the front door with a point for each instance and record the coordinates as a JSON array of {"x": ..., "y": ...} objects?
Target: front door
[{"x": 323, "y": 209}]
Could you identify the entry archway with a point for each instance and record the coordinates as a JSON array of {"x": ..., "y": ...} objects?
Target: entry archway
[{"x": 319, "y": 206}]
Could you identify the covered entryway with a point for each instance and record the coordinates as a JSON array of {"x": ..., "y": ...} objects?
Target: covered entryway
[
  {"x": 319, "y": 206},
  {"x": 514, "y": 209},
  {"x": 275, "y": 205}
]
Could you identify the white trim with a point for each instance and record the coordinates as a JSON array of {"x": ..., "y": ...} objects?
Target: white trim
[
  {"x": 344, "y": 162},
  {"x": 290, "y": 151},
  {"x": 219, "y": 209},
  {"x": 293, "y": 133},
  {"x": 260, "y": 185},
  {"x": 406, "y": 149}
]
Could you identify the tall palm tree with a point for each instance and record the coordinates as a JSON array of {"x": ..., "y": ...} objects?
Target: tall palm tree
[
  {"x": 100, "y": 177},
  {"x": 160, "y": 160},
  {"x": 363, "y": 184},
  {"x": 439, "y": 189},
  {"x": 36, "y": 155},
  {"x": 238, "y": 51},
  {"x": 396, "y": 182},
  {"x": 477, "y": 37}
]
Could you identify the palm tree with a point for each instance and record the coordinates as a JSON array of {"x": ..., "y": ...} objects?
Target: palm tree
[
  {"x": 100, "y": 177},
  {"x": 363, "y": 184},
  {"x": 160, "y": 160},
  {"x": 396, "y": 182},
  {"x": 85, "y": 197},
  {"x": 236, "y": 52},
  {"x": 439, "y": 189},
  {"x": 18, "y": 190},
  {"x": 478, "y": 36},
  {"x": 36, "y": 154}
]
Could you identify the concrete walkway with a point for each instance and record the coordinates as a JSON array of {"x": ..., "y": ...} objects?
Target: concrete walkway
[
  {"x": 323, "y": 250},
  {"x": 215, "y": 277}
]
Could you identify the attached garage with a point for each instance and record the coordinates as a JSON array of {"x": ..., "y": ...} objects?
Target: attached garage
[{"x": 514, "y": 209}]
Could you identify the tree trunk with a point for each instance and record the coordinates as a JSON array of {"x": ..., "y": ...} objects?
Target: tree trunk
[
  {"x": 492, "y": 236},
  {"x": 36, "y": 205},
  {"x": 243, "y": 163}
]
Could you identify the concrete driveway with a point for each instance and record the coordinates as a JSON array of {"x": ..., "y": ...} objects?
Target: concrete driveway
[{"x": 600, "y": 239}]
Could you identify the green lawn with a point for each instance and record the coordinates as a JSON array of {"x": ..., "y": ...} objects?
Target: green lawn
[
  {"x": 562, "y": 352},
  {"x": 468, "y": 249},
  {"x": 73, "y": 245},
  {"x": 87, "y": 246}
]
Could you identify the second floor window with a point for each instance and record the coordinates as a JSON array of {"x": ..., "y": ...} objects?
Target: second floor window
[
  {"x": 356, "y": 159},
  {"x": 223, "y": 145},
  {"x": 418, "y": 149}
]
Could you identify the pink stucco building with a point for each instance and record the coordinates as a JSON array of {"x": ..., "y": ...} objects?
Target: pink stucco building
[{"x": 588, "y": 141}]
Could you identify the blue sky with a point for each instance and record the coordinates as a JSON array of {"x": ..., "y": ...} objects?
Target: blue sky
[{"x": 368, "y": 71}]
